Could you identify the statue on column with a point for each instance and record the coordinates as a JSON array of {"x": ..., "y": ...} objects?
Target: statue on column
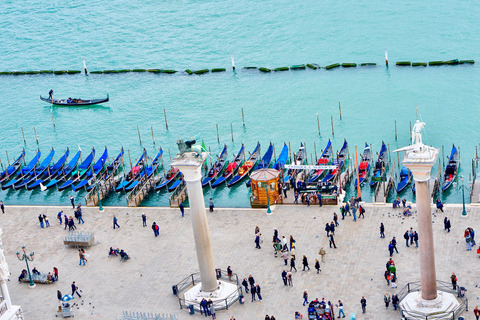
[
  {"x": 417, "y": 132},
  {"x": 4, "y": 272}
]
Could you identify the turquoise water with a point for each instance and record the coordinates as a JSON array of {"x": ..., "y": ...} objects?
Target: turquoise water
[{"x": 278, "y": 107}]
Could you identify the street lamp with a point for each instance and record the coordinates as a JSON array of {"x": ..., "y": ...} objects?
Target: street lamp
[
  {"x": 464, "y": 212},
  {"x": 27, "y": 257},
  {"x": 266, "y": 188},
  {"x": 100, "y": 208}
]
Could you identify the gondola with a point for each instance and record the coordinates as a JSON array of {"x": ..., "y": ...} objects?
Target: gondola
[
  {"x": 23, "y": 172},
  {"x": 134, "y": 172},
  {"x": 231, "y": 168},
  {"x": 64, "y": 172},
  {"x": 11, "y": 169},
  {"x": 147, "y": 171},
  {"x": 92, "y": 172},
  {"x": 246, "y": 167},
  {"x": 178, "y": 182},
  {"x": 79, "y": 172},
  {"x": 217, "y": 168},
  {"x": 338, "y": 162},
  {"x": 405, "y": 178},
  {"x": 282, "y": 158},
  {"x": 323, "y": 160},
  {"x": 112, "y": 168},
  {"x": 51, "y": 172},
  {"x": 380, "y": 165},
  {"x": 74, "y": 102},
  {"x": 451, "y": 169},
  {"x": 36, "y": 172},
  {"x": 168, "y": 178},
  {"x": 364, "y": 166},
  {"x": 298, "y": 159},
  {"x": 264, "y": 163}
]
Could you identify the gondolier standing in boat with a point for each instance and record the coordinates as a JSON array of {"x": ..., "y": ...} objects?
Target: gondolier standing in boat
[{"x": 50, "y": 94}]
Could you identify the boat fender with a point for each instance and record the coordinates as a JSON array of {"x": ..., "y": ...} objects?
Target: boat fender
[
  {"x": 264, "y": 69},
  {"x": 219, "y": 70},
  {"x": 201, "y": 71},
  {"x": 188, "y": 71},
  {"x": 349, "y": 65},
  {"x": 435, "y": 63},
  {"x": 419, "y": 64},
  {"x": 298, "y": 67},
  {"x": 311, "y": 66},
  {"x": 403, "y": 63},
  {"x": 281, "y": 69}
]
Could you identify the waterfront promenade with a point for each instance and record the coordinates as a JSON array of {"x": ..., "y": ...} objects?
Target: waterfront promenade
[{"x": 144, "y": 282}]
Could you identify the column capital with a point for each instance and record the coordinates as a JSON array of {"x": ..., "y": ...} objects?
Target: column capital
[
  {"x": 420, "y": 159},
  {"x": 190, "y": 164}
]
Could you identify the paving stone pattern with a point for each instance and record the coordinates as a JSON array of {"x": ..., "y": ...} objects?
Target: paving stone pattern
[{"x": 144, "y": 282}]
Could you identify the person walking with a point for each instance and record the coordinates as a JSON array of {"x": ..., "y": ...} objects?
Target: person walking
[
  {"x": 80, "y": 216},
  {"x": 296, "y": 197},
  {"x": 66, "y": 221},
  {"x": 454, "y": 281},
  {"x": 253, "y": 291},
  {"x": 410, "y": 233},
  {"x": 393, "y": 279},
  {"x": 476, "y": 312},
  {"x": 319, "y": 197},
  {"x": 284, "y": 277},
  {"x": 382, "y": 230},
  {"x": 285, "y": 256},
  {"x": 75, "y": 290},
  {"x": 115, "y": 222},
  {"x": 332, "y": 241},
  {"x": 292, "y": 242},
  {"x": 81, "y": 255},
  {"x": 448, "y": 225},
  {"x": 59, "y": 216},
  {"x": 257, "y": 241},
  {"x": 182, "y": 209},
  {"x": 305, "y": 297},
  {"x": 340, "y": 309},
  {"x": 390, "y": 248},
  {"x": 394, "y": 244},
  {"x": 363, "y": 302},
  {"x": 59, "y": 296},
  {"x": 258, "y": 289},
  {"x": 354, "y": 212},
  {"x": 335, "y": 219},
  {"x": 245, "y": 284},
  {"x": 284, "y": 189},
  {"x": 47, "y": 223},
  {"x": 229, "y": 273},
  {"x": 322, "y": 253},
  {"x": 155, "y": 229},
  {"x": 292, "y": 264},
  {"x": 362, "y": 212},
  {"x": 415, "y": 238},
  {"x": 72, "y": 201},
  {"x": 395, "y": 301},
  {"x": 40, "y": 218},
  {"x": 289, "y": 278},
  {"x": 332, "y": 228},
  {"x": 55, "y": 273},
  {"x": 212, "y": 312},
  {"x": 2, "y": 207},
  {"x": 307, "y": 199},
  {"x": 305, "y": 263},
  {"x": 210, "y": 203},
  {"x": 327, "y": 229},
  {"x": 144, "y": 219},
  {"x": 317, "y": 266},
  {"x": 387, "y": 299},
  {"x": 406, "y": 237},
  {"x": 387, "y": 277}
]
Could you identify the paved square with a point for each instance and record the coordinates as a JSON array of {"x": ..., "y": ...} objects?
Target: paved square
[{"x": 144, "y": 282}]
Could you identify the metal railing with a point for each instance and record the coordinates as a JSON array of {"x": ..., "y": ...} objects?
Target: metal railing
[
  {"x": 441, "y": 286},
  {"x": 194, "y": 278},
  {"x": 79, "y": 236},
  {"x": 126, "y": 315}
]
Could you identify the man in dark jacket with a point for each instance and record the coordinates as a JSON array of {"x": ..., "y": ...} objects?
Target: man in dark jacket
[
  {"x": 363, "y": 302},
  {"x": 245, "y": 284},
  {"x": 394, "y": 243},
  {"x": 257, "y": 288},
  {"x": 253, "y": 291},
  {"x": 406, "y": 237},
  {"x": 284, "y": 277}
]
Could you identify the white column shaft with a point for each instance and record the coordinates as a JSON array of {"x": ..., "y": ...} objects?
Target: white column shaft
[{"x": 6, "y": 294}]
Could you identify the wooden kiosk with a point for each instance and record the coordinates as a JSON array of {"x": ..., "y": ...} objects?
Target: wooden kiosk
[{"x": 259, "y": 181}]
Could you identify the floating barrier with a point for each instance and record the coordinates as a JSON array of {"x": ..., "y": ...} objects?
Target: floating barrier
[
  {"x": 281, "y": 69},
  {"x": 264, "y": 69},
  {"x": 139, "y": 70},
  {"x": 58, "y": 72},
  {"x": 46, "y": 71},
  {"x": 32, "y": 72},
  {"x": 170, "y": 71},
  {"x": 109, "y": 71},
  {"x": 153, "y": 70},
  {"x": 201, "y": 71},
  {"x": 219, "y": 69},
  {"x": 73, "y": 71},
  {"x": 5, "y": 73},
  {"x": 466, "y": 61},
  {"x": 311, "y": 66},
  {"x": 97, "y": 72},
  {"x": 349, "y": 65},
  {"x": 368, "y": 64},
  {"x": 188, "y": 71},
  {"x": 249, "y": 67},
  {"x": 123, "y": 71},
  {"x": 451, "y": 62},
  {"x": 403, "y": 63},
  {"x": 331, "y": 66},
  {"x": 298, "y": 67},
  {"x": 435, "y": 63},
  {"x": 18, "y": 73},
  {"x": 419, "y": 64}
]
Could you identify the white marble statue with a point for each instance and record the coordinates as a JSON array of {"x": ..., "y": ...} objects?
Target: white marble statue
[{"x": 417, "y": 132}]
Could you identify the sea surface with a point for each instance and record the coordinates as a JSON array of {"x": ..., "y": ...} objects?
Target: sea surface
[{"x": 278, "y": 107}]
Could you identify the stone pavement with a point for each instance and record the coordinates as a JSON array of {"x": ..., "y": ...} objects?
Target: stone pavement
[{"x": 144, "y": 282}]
